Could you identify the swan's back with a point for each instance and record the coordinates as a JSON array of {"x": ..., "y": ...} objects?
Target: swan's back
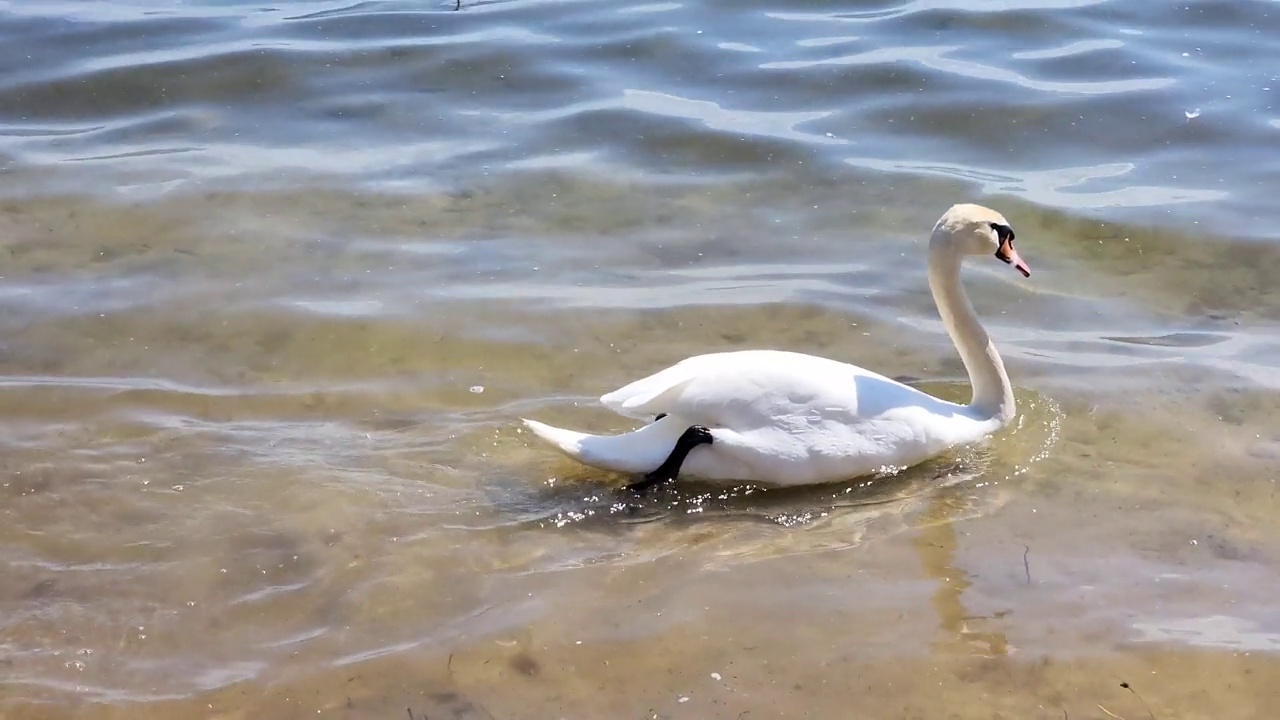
[{"x": 767, "y": 387}]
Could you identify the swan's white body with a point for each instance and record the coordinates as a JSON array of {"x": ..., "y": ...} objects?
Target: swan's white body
[{"x": 785, "y": 418}]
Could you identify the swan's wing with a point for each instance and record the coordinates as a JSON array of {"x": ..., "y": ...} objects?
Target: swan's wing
[
  {"x": 640, "y": 397},
  {"x": 742, "y": 389}
]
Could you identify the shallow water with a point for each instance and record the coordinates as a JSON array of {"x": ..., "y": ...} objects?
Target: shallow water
[{"x": 280, "y": 280}]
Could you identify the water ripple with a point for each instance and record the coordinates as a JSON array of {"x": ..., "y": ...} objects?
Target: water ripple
[
  {"x": 1062, "y": 187},
  {"x": 935, "y": 58},
  {"x": 277, "y": 280},
  {"x": 781, "y": 125},
  {"x": 387, "y": 94}
]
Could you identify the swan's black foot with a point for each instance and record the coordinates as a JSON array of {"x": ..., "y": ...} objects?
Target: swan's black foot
[
  {"x": 659, "y": 416},
  {"x": 692, "y": 437}
]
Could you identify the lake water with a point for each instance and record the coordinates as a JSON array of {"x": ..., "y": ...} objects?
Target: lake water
[{"x": 279, "y": 279}]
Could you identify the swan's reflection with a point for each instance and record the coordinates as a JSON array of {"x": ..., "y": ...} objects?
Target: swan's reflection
[{"x": 935, "y": 542}]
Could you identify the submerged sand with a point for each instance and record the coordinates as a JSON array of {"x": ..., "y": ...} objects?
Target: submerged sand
[{"x": 267, "y": 464}]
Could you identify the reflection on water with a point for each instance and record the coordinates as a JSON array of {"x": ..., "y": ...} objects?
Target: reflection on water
[
  {"x": 1212, "y": 631},
  {"x": 277, "y": 282},
  {"x": 1070, "y": 187}
]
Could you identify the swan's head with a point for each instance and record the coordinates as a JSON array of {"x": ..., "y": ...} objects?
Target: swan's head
[{"x": 967, "y": 229}]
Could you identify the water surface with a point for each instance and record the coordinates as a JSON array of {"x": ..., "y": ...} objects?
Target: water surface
[{"x": 281, "y": 279}]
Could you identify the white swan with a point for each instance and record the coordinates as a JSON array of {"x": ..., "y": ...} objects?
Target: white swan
[{"x": 784, "y": 418}]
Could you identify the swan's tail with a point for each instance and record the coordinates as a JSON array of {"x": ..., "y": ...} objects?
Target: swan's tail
[{"x": 633, "y": 452}]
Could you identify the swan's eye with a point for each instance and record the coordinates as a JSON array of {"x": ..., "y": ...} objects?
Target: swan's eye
[{"x": 1004, "y": 233}]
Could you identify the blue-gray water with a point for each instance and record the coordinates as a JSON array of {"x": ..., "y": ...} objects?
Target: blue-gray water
[{"x": 280, "y": 278}]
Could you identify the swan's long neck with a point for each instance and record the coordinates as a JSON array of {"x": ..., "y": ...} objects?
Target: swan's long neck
[{"x": 992, "y": 393}]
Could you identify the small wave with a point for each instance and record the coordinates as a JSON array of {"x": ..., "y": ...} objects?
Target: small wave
[
  {"x": 1061, "y": 187},
  {"x": 936, "y": 58}
]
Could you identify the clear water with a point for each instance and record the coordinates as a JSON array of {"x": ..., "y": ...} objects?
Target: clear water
[{"x": 281, "y": 278}]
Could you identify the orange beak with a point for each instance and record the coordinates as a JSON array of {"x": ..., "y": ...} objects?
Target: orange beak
[{"x": 1010, "y": 256}]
